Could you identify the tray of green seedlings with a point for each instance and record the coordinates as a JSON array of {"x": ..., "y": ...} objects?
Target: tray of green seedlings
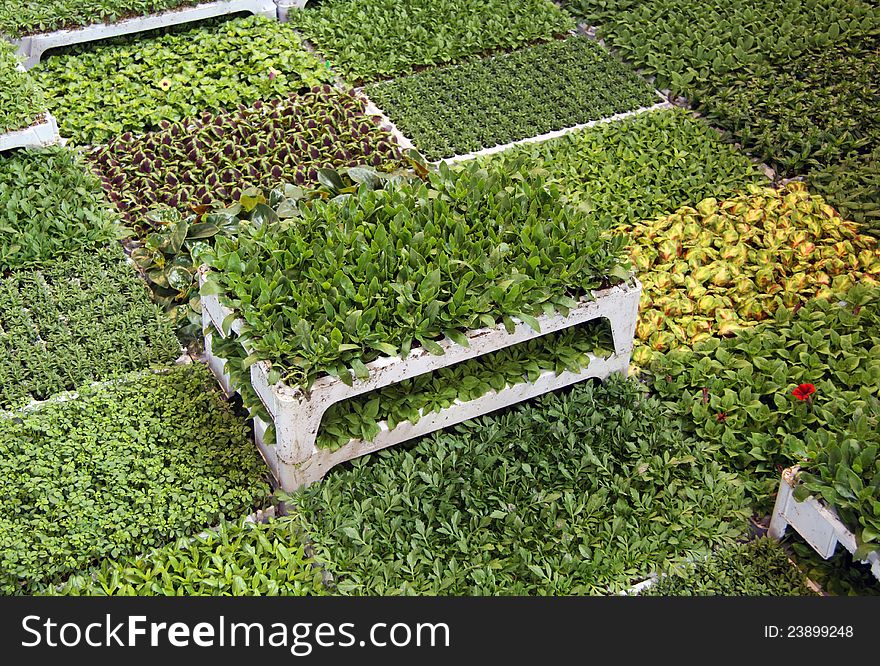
[
  {"x": 24, "y": 120},
  {"x": 75, "y": 25},
  {"x": 518, "y": 265},
  {"x": 538, "y": 93},
  {"x": 120, "y": 468}
]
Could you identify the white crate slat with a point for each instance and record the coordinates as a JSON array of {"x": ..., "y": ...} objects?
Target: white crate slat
[
  {"x": 817, "y": 523},
  {"x": 32, "y": 47},
  {"x": 297, "y": 461},
  {"x": 284, "y": 7},
  {"x": 36, "y": 136}
]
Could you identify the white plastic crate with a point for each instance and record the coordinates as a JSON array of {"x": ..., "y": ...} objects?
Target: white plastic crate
[
  {"x": 295, "y": 459},
  {"x": 32, "y": 47},
  {"x": 286, "y": 6},
  {"x": 36, "y": 136},
  {"x": 816, "y": 522}
]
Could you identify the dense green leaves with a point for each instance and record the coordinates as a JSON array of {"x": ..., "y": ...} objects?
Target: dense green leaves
[
  {"x": 238, "y": 560},
  {"x": 125, "y": 467},
  {"x": 22, "y": 17},
  {"x": 737, "y": 392},
  {"x": 132, "y": 84},
  {"x": 21, "y": 101},
  {"x": 51, "y": 206},
  {"x": 636, "y": 169},
  {"x": 375, "y": 39},
  {"x": 802, "y": 113},
  {"x": 759, "y": 568},
  {"x": 378, "y": 272},
  {"x": 796, "y": 82},
  {"x": 83, "y": 318},
  {"x": 576, "y": 493},
  {"x": 476, "y": 105},
  {"x": 853, "y": 187},
  {"x": 214, "y": 158},
  {"x": 682, "y": 41}
]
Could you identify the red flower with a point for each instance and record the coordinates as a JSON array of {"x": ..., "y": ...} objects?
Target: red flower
[
  {"x": 804, "y": 391},
  {"x": 721, "y": 417}
]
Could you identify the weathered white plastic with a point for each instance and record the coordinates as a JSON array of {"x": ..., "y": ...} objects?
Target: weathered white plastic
[
  {"x": 32, "y": 47},
  {"x": 817, "y": 523},
  {"x": 406, "y": 143},
  {"x": 285, "y": 6},
  {"x": 295, "y": 459},
  {"x": 36, "y": 136}
]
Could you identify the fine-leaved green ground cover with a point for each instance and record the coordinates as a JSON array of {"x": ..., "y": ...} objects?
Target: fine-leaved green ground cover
[
  {"x": 576, "y": 493},
  {"x": 21, "y": 101},
  {"x": 51, "y": 206},
  {"x": 235, "y": 559},
  {"x": 639, "y": 168},
  {"x": 367, "y": 40},
  {"x": 381, "y": 271},
  {"x": 214, "y": 157},
  {"x": 464, "y": 108},
  {"x": 759, "y": 568},
  {"x": 124, "y": 468},
  {"x": 134, "y": 83},
  {"x": 23, "y": 17},
  {"x": 83, "y": 318}
]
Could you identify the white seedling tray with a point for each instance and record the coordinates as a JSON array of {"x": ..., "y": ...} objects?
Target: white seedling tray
[
  {"x": 816, "y": 522},
  {"x": 406, "y": 143},
  {"x": 36, "y": 136},
  {"x": 296, "y": 460},
  {"x": 32, "y": 47}
]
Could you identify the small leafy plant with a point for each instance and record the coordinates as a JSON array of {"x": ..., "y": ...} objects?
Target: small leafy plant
[
  {"x": 464, "y": 108},
  {"x": 233, "y": 560},
  {"x": 380, "y": 271},
  {"x": 759, "y": 568},
  {"x": 741, "y": 393},
  {"x": 577, "y": 492},
  {"x": 83, "y": 318},
  {"x": 21, "y": 17},
  {"x": 367, "y": 40},
  {"x": 725, "y": 265},
  {"x": 214, "y": 158},
  {"x": 126, "y": 467},
  {"x": 52, "y": 207},
  {"x": 21, "y": 100},
  {"x": 636, "y": 169},
  {"x": 136, "y": 83}
]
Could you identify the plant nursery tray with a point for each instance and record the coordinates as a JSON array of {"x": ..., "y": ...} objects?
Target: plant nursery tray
[
  {"x": 816, "y": 522},
  {"x": 36, "y": 136},
  {"x": 406, "y": 143},
  {"x": 295, "y": 459},
  {"x": 32, "y": 47}
]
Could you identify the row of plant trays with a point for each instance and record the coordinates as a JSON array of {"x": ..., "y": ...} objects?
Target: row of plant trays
[
  {"x": 296, "y": 461},
  {"x": 815, "y": 521},
  {"x": 407, "y": 144},
  {"x": 32, "y": 47}
]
